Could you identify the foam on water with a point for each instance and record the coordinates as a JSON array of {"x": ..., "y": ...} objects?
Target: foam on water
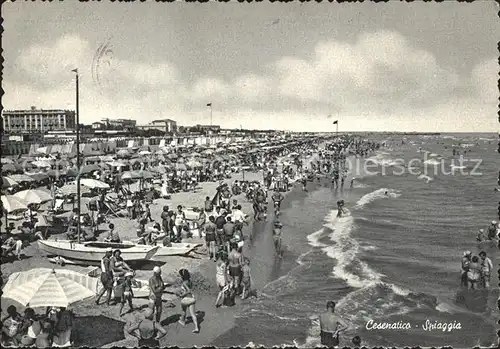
[{"x": 375, "y": 195}]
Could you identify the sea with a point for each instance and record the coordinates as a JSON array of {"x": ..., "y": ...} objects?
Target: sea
[{"x": 394, "y": 258}]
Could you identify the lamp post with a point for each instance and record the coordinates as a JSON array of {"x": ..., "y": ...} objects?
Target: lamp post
[{"x": 77, "y": 156}]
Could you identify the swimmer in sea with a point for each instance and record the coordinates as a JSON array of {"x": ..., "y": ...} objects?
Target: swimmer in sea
[
  {"x": 277, "y": 237},
  {"x": 331, "y": 325}
]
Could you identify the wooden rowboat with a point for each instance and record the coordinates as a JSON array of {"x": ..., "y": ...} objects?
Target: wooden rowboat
[{"x": 94, "y": 251}]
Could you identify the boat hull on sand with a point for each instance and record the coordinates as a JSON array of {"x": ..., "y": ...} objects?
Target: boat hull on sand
[
  {"x": 177, "y": 249},
  {"x": 93, "y": 252}
]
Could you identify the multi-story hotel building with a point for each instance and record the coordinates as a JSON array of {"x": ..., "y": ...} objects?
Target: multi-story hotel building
[{"x": 33, "y": 120}]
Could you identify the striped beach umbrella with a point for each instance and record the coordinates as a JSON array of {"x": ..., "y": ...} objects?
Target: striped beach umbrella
[{"x": 43, "y": 287}]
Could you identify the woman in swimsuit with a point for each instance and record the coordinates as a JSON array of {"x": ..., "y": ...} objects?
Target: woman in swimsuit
[
  {"x": 474, "y": 273},
  {"x": 118, "y": 265},
  {"x": 235, "y": 266},
  {"x": 221, "y": 275},
  {"x": 187, "y": 300}
]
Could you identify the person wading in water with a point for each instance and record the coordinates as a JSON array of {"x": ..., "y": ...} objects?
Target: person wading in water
[{"x": 331, "y": 325}]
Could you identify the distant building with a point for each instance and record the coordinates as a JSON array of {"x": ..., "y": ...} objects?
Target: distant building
[
  {"x": 34, "y": 121},
  {"x": 165, "y": 125},
  {"x": 98, "y": 125},
  {"x": 209, "y": 129},
  {"x": 128, "y": 124}
]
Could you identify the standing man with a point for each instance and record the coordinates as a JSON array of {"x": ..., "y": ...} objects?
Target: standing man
[
  {"x": 106, "y": 276},
  {"x": 331, "y": 325},
  {"x": 156, "y": 287},
  {"x": 486, "y": 268},
  {"x": 164, "y": 219},
  {"x": 211, "y": 237}
]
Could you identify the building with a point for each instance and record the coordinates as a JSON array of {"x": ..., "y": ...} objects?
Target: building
[
  {"x": 34, "y": 120},
  {"x": 208, "y": 129},
  {"x": 128, "y": 124},
  {"x": 98, "y": 125},
  {"x": 165, "y": 125}
]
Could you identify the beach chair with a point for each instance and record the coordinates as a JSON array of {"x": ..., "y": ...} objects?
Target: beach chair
[
  {"x": 58, "y": 206},
  {"x": 113, "y": 210}
]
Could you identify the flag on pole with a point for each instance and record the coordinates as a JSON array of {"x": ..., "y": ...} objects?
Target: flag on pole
[
  {"x": 75, "y": 70},
  {"x": 209, "y": 104},
  {"x": 335, "y": 122}
]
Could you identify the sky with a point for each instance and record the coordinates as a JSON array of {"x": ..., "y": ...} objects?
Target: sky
[{"x": 397, "y": 66}]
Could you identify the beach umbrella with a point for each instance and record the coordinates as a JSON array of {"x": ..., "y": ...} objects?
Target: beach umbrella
[
  {"x": 7, "y": 161},
  {"x": 123, "y": 153},
  {"x": 144, "y": 174},
  {"x": 9, "y": 168},
  {"x": 41, "y": 164},
  {"x": 144, "y": 152},
  {"x": 44, "y": 287},
  {"x": 94, "y": 183},
  {"x": 38, "y": 177},
  {"x": 22, "y": 178},
  {"x": 117, "y": 164},
  {"x": 8, "y": 182},
  {"x": 172, "y": 156},
  {"x": 106, "y": 158},
  {"x": 130, "y": 175},
  {"x": 34, "y": 196},
  {"x": 208, "y": 152},
  {"x": 180, "y": 167},
  {"x": 70, "y": 189},
  {"x": 194, "y": 163},
  {"x": 12, "y": 203}
]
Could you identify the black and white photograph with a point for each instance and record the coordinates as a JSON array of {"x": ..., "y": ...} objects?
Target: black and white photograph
[{"x": 250, "y": 174}]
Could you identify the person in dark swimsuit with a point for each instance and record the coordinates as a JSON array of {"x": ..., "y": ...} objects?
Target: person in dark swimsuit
[{"x": 331, "y": 325}]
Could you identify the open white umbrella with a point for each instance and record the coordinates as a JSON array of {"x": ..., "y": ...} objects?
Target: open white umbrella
[
  {"x": 8, "y": 182},
  {"x": 116, "y": 164},
  {"x": 94, "y": 183},
  {"x": 144, "y": 152},
  {"x": 7, "y": 161},
  {"x": 34, "y": 196},
  {"x": 41, "y": 164},
  {"x": 12, "y": 203},
  {"x": 70, "y": 189},
  {"x": 21, "y": 178},
  {"x": 43, "y": 287}
]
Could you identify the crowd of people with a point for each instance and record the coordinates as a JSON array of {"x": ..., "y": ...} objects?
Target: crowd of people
[{"x": 51, "y": 329}]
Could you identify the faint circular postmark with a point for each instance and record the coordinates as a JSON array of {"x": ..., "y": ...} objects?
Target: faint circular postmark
[{"x": 103, "y": 66}]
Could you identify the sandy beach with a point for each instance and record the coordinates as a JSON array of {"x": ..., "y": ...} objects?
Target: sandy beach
[{"x": 213, "y": 322}]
